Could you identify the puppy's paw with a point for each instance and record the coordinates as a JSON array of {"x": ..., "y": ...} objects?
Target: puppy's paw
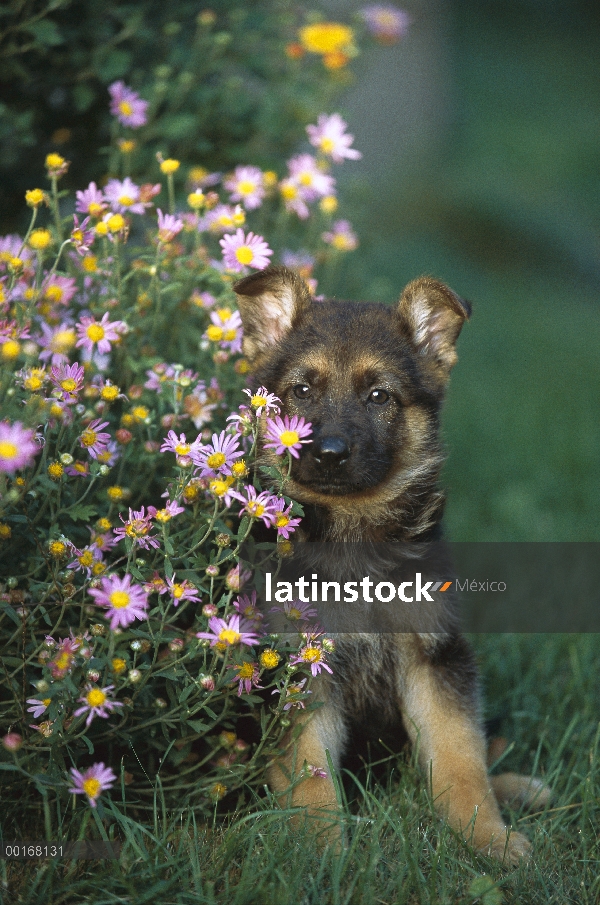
[{"x": 510, "y": 848}]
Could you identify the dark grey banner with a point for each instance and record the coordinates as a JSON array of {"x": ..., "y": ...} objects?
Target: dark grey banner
[{"x": 439, "y": 587}]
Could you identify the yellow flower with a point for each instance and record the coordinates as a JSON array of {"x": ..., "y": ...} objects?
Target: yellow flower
[
  {"x": 127, "y": 420},
  {"x": 101, "y": 229},
  {"x": 115, "y": 493},
  {"x": 90, "y": 263},
  {"x": 57, "y": 548},
  {"x": 196, "y": 200},
  {"x": 40, "y": 239},
  {"x": 54, "y": 162},
  {"x": 127, "y": 145},
  {"x": 118, "y": 665},
  {"x": 104, "y": 524},
  {"x": 269, "y": 179},
  {"x": 35, "y": 380},
  {"x": 269, "y": 659},
  {"x": 15, "y": 265},
  {"x": 55, "y": 471},
  {"x": 116, "y": 223},
  {"x": 214, "y": 333},
  {"x": 326, "y": 37},
  {"x": 169, "y": 166},
  {"x": 328, "y": 204},
  {"x": 218, "y": 791},
  {"x": 10, "y": 349},
  {"x": 35, "y": 197},
  {"x": 5, "y": 531},
  {"x": 109, "y": 393},
  {"x": 197, "y": 174},
  {"x": 140, "y": 413}
]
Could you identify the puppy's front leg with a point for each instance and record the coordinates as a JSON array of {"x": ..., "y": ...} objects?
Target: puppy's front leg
[
  {"x": 301, "y": 776},
  {"x": 444, "y": 726}
]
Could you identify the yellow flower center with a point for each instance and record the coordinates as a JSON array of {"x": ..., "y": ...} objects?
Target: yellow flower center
[
  {"x": 327, "y": 145},
  {"x": 92, "y": 787},
  {"x": 68, "y": 384},
  {"x": 229, "y": 335},
  {"x": 118, "y": 665},
  {"x": 63, "y": 341},
  {"x": 95, "y": 209},
  {"x": 125, "y": 108},
  {"x": 325, "y": 37},
  {"x": 109, "y": 393},
  {"x": 289, "y": 438},
  {"x": 255, "y": 509},
  {"x": 341, "y": 242},
  {"x": 246, "y": 671},
  {"x": 95, "y": 332},
  {"x": 178, "y": 591},
  {"x": 95, "y": 697},
  {"x": 34, "y": 197},
  {"x": 86, "y": 559},
  {"x": 182, "y": 449},
  {"x": 40, "y": 239},
  {"x": 257, "y": 401},
  {"x": 239, "y": 469},
  {"x": 306, "y": 178},
  {"x": 63, "y": 661},
  {"x": 54, "y": 161},
  {"x": 88, "y": 438},
  {"x": 136, "y": 528},
  {"x": 294, "y": 613},
  {"x": 126, "y": 200},
  {"x": 90, "y": 263},
  {"x": 216, "y": 460},
  {"x": 229, "y": 636},
  {"x": 311, "y": 654},
  {"x": 54, "y": 293},
  {"x": 195, "y": 200},
  {"x": 8, "y": 450},
  {"x": 281, "y": 521},
  {"x": 57, "y": 548},
  {"x": 11, "y": 349},
  {"x": 115, "y": 223},
  {"x": 246, "y": 187},
  {"x": 119, "y": 599},
  {"x": 98, "y": 568},
  {"x": 169, "y": 166},
  {"x": 244, "y": 254},
  {"x": 269, "y": 659},
  {"x": 214, "y": 333}
]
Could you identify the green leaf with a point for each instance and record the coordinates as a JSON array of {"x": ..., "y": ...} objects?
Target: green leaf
[
  {"x": 486, "y": 890},
  {"x": 82, "y": 512},
  {"x": 83, "y": 97},
  {"x": 198, "y": 725},
  {"x": 243, "y": 527},
  {"x": 46, "y": 32}
]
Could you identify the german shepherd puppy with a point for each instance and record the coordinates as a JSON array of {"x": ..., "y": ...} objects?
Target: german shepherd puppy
[{"x": 371, "y": 379}]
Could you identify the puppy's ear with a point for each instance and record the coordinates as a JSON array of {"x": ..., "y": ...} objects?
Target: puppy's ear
[
  {"x": 271, "y": 303},
  {"x": 433, "y": 317}
]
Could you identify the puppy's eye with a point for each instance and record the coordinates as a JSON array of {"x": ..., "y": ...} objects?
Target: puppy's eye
[
  {"x": 302, "y": 391},
  {"x": 379, "y": 397}
]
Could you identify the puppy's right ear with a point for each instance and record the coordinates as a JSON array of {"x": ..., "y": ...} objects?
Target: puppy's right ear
[{"x": 271, "y": 303}]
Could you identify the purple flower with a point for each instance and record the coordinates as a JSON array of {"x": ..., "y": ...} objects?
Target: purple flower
[
  {"x": 224, "y": 634},
  {"x": 287, "y": 435},
  {"x": 125, "y": 602},
  {"x": 96, "y": 702},
  {"x": 311, "y": 181},
  {"x": 183, "y": 450},
  {"x": 168, "y": 226},
  {"x": 91, "y": 201},
  {"x": 313, "y": 655},
  {"x": 247, "y": 186},
  {"x": 93, "y": 782},
  {"x": 342, "y": 237},
  {"x": 38, "y": 707},
  {"x": 262, "y": 399},
  {"x": 296, "y": 611},
  {"x": 294, "y": 690},
  {"x": 124, "y": 197},
  {"x": 93, "y": 438},
  {"x": 68, "y": 379},
  {"x": 17, "y": 446},
  {"x": 58, "y": 289},
  {"x": 127, "y": 105},
  {"x": 258, "y": 505},
  {"x": 217, "y": 456},
  {"x": 94, "y": 334},
  {"x": 137, "y": 528},
  {"x": 241, "y": 251},
  {"x": 226, "y": 329},
  {"x": 56, "y": 342},
  {"x": 330, "y": 137},
  {"x": 283, "y": 521},
  {"x": 181, "y": 590},
  {"x": 387, "y": 23},
  {"x": 246, "y": 606},
  {"x": 247, "y": 677}
]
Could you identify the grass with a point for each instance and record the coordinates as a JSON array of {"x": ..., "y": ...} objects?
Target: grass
[{"x": 542, "y": 689}]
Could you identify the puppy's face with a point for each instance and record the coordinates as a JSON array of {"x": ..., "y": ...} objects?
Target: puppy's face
[{"x": 369, "y": 378}]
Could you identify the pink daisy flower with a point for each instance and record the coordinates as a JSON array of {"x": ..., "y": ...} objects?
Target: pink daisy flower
[
  {"x": 78, "y": 470},
  {"x": 247, "y": 676},
  {"x": 56, "y": 342},
  {"x": 387, "y": 23},
  {"x": 68, "y": 380},
  {"x": 98, "y": 335},
  {"x": 124, "y": 601},
  {"x": 227, "y": 331},
  {"x": 181, "y": 590},
  {"x": 127, "y": 105},
  {"x": 287, "y": 434},
  {"x": 313, "y": 655},
  {"x": 261, "y": 399},
  {"x": 17, "y": 446},
  {"x": 93, "y": 782},
  {"x": 183, "y": 450},
  {"x": 124, "y": 196},
  {"x": 330, "y": 137},
  {"x": 91, "y": 201},
  {"x": 296, "y": 611},
  {"x": 283, "y": 521},
  {"x": 218, "y": 456},
  {"x": 241, "y": 251},
  {"x": 228, "y": 633},
  {"x": 38, "y": 707},
  {"x": 246, "y": 185},
  {"x": 246, "y": 606},
  {"x": 342, "y": 237},
  {"x": 257, "y": 505},
  {"x": 137, "y": 528},
  {"x": 96, "y": 702},
  {"x": 93, "y": 438},
  {"x": 59, "y": 290},
  {"x": 169, "y": 226},
  {"x": 312, "y": 182},
  {"x": 292, "y": 697},
  {"x": 171, "y": 509},
  {"x": 81, "y": 237}
]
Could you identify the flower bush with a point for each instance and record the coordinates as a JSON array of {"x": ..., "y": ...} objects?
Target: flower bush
[{"x": 130, "y": 476}]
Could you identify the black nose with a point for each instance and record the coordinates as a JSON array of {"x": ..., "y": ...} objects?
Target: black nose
[{"x": 330, "y": 450}]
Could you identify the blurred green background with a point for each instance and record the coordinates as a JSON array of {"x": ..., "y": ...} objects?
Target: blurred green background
[{"x": 488, "y": 178}]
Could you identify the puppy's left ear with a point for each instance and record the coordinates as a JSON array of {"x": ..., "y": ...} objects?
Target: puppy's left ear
[
  {"x": 433, "y": 317},
  {"x": 271, "y": 303}
]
